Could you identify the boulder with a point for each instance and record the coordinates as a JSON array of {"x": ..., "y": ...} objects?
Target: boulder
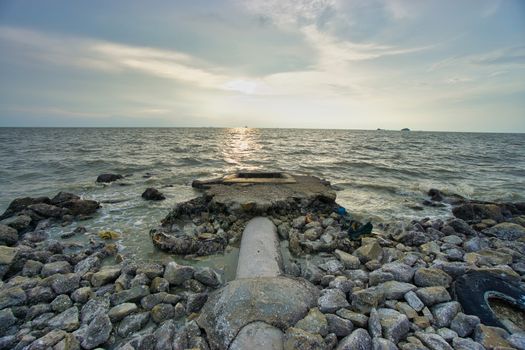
[
  {"x": 19, "y": 204},
  {"x": 332, "y": 300},
  {"x": 152, "y": 194},
  {"x": 429, "y": 277},
  {"x": 177, "y": 274},
  {"x": 433, "y": 295},
  {"x": 506, "y": 231},
  {"x": 81, "y": 206},
  {"x": 296, "y": 338},
  {"x": 106, "y": 178},
  {"x": 445, "y": 312},
  {"x": 207, "y": 276},
  {"x": 315, "y": 322},
  {"x": 55, "y": 267},
  {"x": 348, "y": 260},
  {"x": 8, "y": 235},
  {"x": 463, "y": 324},
  {"x": 46, "y": 210},
  {"x": 97, "y": 332},
  {"x": 358, "y": 340},
  {"x": 339, "y": 326},
  {"x": 66, "y": 320},
  {"x": 372, "y": 251},
  {"x": 475, "y": 212},
  {"x": 395, "y": 325},
  {"x": 63, "y": 197},
  {"x": 105, "y": 276}
]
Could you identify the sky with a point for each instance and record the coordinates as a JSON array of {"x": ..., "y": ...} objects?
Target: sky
[{"x": 448, "y": 65}]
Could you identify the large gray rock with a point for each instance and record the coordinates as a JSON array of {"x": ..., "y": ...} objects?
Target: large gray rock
[
  {"x": 296, "y": 338},
  {"x": 463, "y": 324},
  {"x": 92, "y": 309},
  {"x": 348, "y": 260},
  {"x": 339, "y": 326},
  {"x": 105, "y": 276},
  {"x": 433, "y": 341},
  {"x": 7, "y": 257},
  {"x": 177, "y": 274},
  {"x": 372, "y": 251},
  {"x": 433, "y": 295},
  {"x": 132, "y": 323},
  {"x": 244, "y": 301},
  {"x": 133, "y": 294},
  {"x": 366, "y": 299},
  {"x": 395, "y": 290},
  {"x": 314, "y": 322},
  {"x": 258, "y": 335},
  {"x": 358, "y": 340},
  {"x": 55, "y": 267},
  {"x": 332, "y": 300},
  {"x": 445, "y": 312},
  {"x": 402, "y": 272},
  {"x": 429, "y": 277},
  {"x": 395, "y": 325},
  {"x": 67, "y": 320},
  {"x": 97, "y": 332},
  {"x": 506, "y": 231},
  {"x": 8, "y": 235}
]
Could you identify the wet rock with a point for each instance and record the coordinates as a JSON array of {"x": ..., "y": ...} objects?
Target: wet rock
[
  {"x": 133, "y": 294},
  {"x": 339, "y": 326},
  {"x": 315, "y": 322},
  {"x": 19, "y": 204},
  {"x": 332, "y": 300},
  {"x": 429, "y": 277},
  {"x": 358, "y": 340},
  {"x": 132, "y": 323},
  {"x": 207, "y": 276},
  {"x": 97, "y": 332},
  {"x": 46, "y": 210},
  {"x": 177, "y": 274},
  {"x": 120, "y": 311},
  {"x": 506, "y": 231},
  {"x": 159, "y": 284},
  {"x": 394, "y": 325},
  {"x": 459, "y": 226},
  {"x": 466, "y": 344},
  {"x": 433, "y": 341},
  {"x": 62, "y": 197},
  {"x": 61, "y": 303},
  {"x": 491, "y": 337},
  {"x": 105, "y": 276},
  {"x": 463, "y": 324},
  {"x": 20, "y": 222},
  {"x": 296, "y": 338},
  {"x": 81, "y": 207},
  {"x": 445, "y": 312},
  {"x": 55, "y": 267},
  {"x": 88, "y": 264},
  {"x": 106, "y": 178},
  {"x": 8, "y": 235},
  {"x": 66, "y": 320},
  {"x": 433, "y": 295},
  {"x": 372, "y": 251},
  {"x": 475, "y": 212},
  {"x": 152, "y": 194}
]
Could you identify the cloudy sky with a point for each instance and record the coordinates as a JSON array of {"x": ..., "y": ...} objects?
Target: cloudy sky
[{"x": 356, "y": 64}]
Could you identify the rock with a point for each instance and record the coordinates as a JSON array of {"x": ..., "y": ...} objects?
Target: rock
[
  {"x": 429, "y": 277},
  {"x": 517, "y": 340},
  {"x": 88, "y": 264},
  {"x": 314, "y": 322},
  {"x": 46, "y": 210},
  {"x": 164, "y": 335},
  {"x": 159, "y": 284},
  {"x": 149, "y": 301},
  {"x": 81, "y": 207},
  {"x": 19, "y": 204},
  {"x": 132, "y": 323},
  {"x": 332, "y": 300},
  {"x": 378, "y": 276},
  {"x": 63, "y": 197},
  {"x": 7, "y": 257},
  {"x": 82, "y": 295},
  {"x": 296, "y": 338},
  {"x": 109, "y": 177},
  {"x": 372, "y": 251},
  {"x": 8, "y": 235},
  {"x": 299, "y": 222},
  {"x": 12, "y": 297},
  {"x": 32, "y": 268},
  {"x": 395, "y": 325},
  {"x": 339, "y": 326},
  {"x": 491, "y": 337},
  {"x": 349, "y": 261},
  {"x": 495, "y": 257},
  {"x": 241, "y": 302},
  {"x": 433, "y": 341},
  {"x": 383, "y": 344},
  {"x": 475, "y": 212},
  {"x": 195, "y": 302},
  {"x": 395, "y": 290},
  {"x": 312, "y": 234},
  {"x": 120, "y": 311},
  {"x": 20, "y": 222},
  {"x": 108, "y": 234},
  {"x": 61, "y": 303},
  {"x": 105, "y": 276},
  {"x": 447, "y": 334},
  {"x": 358, "y": 340},
  {"x": 357, "y": 319},
  {"x": 413, "y": 300},
  {"x": 97, "y": 332},
  {"x": 374, "y": 324},
  {"x": 65, "y": 283},
  {"x": 7, "y": 319},
  {"x": 402, "y": 272},
  {"x": 69, "y": 342},
  {"x": 207, "y": 276},
  {"x": 66, "y": 320},
  {"x": 177, "y": 274},
  {"x": 445, "y": 312},
  {"x": 366, "y": 299},
  {"x": 475, "y": 244},
  {"x": 93, "y": 308},
  {"x": 433, "y": 295},
  {"x": 413, "y": 238},
  {"x": 152, "y": 194},
  {"x": 48, "y": 340},
  {"x": 55, "y": 267},
  {"x": 133, "y": 294},
  {"x": 506, "y": 231},
  {"x": 466, "y": 344},
  {"x": 430, "y": 248},
  {"x": 162, "y": 312},
  {"x": 463, "y": 324}
]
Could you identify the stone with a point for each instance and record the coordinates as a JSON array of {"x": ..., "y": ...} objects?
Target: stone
[
  {"x": 463, "y": 324},
  {"x": 414, "y": 301},
  {"x": 433, "y": 341},
  {"x": 116, "y": 313},
  {"x": 374, "y": 324},
  {"x": 311, "y": 272},
  {"x": 395, "y": 325},
  {"x": 152, "y": 194},
  {"x": 491, "y": 337},
  {"x": 339, "y": 326},
  {"x": 356, "y": 318},
  {"x": 177, "y": 274},
  {"x": 207, "y": 276},
  {"x": 413, "y": 238},
  {"x": 66, "y": 320},
  {"x": 517, "y": 340},
  {"x": 20, "y": 223},
  {"x": 314, "y": 322},
  {"x": 162, "y": 312},
  {"x": 395, "y": 290},
  {"x": 447, "y": 334},
  {"x": 506, "y": 231},
  {"x": 452, "y": 239},
  {"x": 342, "y": 283},
  {"x": 430, "y": 248},
  {"x": 378, "y": 276},
  {"x": 433, "y": 295},
  {"x": 159, "y": 284},
  {"x": 475, "y": 212},
  {"x": 105, "y": 276},
  {"x": 19, "y": 204},
  {"x": 402, "y": 272},
  {"x": 149, "y": 301},
  {"x": 358, "y": 340},
  {"x": 55, "y": 267},
  {"x": 296, "y": 338},
  {"x": 69, "y": 342},
  {"x": 132, "y": 323},
  {"x": 366, "y": 299},
  {"x": 88, "y": 264},
  {"x": 8, "y": 235},
  {"x": 299, "y": 222},
  {"x": 164, "y": 335},
  {"x": 12, "y": 297},
  {"x": 46, "y": 210},
  {"x": 369, "y": 252},
  {"x": 332, "y": 267},
  {"x": 32, "y": 268},
  {"x": 383, "y": 344},
  {"x": 61, "y": 303},
  {"x": 466, "y": 344},
  {"x": 133, "y": 294},
  {"x": 495, "y": 257},
  {"x": 81, "y": 207},
  {"x": 65, "y": 283},
  {"x": 195, "y": 302},
  {"x": 48, "y": 340},
  {"x": 106, "y": 178},
  {"x": 7, "y": 319},
  {"x": 429, "y": 277},
  {"x": 97, "y": 332},
  {"x": 445, "y": 312},
  {"x": 407, "y": 310},
  {"x": 7, "y": 257},
  {"x": 40, "y": 294},
  {"x": 332, "y": 300},
  {"x": 82, "y": 295}
]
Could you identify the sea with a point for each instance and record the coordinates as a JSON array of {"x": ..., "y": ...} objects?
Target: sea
[{"x": 379, "y": 175}]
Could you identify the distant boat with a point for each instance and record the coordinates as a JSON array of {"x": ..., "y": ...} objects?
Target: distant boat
[{"x": 405, "y": 129}]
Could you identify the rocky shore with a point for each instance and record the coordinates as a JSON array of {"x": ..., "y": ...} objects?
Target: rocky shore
[{"x": 390, "y": 289}]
